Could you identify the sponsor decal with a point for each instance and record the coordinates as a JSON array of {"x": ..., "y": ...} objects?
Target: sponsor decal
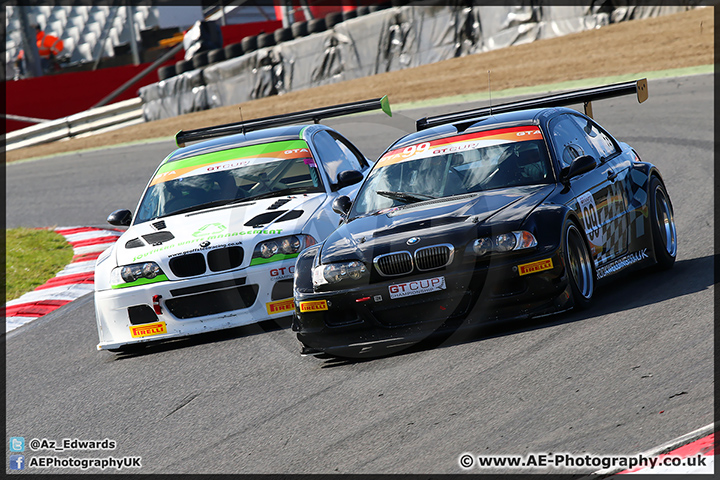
[
  {"x": 460, "y": 143},
  {"x": 231, "y": 159},
  {"x": 282, "y": 273},
  {"x": 591, "y": 219},
  {"x": 622, "y": 263},
  {"x": 417, "y": 287},
  {"x": 137, "y": 331},
  {"x": 280, "y": 306},
  {"x": 313, "y": 306},
  {"x": 535, "y": 267}
]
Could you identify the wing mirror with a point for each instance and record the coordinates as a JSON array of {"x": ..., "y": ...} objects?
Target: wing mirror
[
  {"x": 580, "y": 165},
  {"x": 342, "y": 205},
  {"x": 346, "y": 178},
  {"x": 120, "y": 218}
]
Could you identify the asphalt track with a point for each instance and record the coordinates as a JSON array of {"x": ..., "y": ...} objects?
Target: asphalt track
[{"x": 633, "y": 372}]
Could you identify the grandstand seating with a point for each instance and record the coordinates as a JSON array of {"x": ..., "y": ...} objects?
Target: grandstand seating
[{"x": 79, "y": 26}]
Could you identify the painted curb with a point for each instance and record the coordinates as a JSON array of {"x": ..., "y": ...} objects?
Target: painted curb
[
  {"x": 697, "y": 442},
  {"x": 74, "y": 281}
]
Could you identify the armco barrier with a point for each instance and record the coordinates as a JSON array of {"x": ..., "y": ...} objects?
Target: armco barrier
[{"x": 96, "y": 120}]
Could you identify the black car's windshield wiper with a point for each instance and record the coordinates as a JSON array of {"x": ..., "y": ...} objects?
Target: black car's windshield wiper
[
  {"x": 200, "y": 206},
  {"x": 405, "y": 196}
]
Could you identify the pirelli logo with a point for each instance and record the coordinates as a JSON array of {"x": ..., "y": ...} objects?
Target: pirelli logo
[
  {"x": 137, "y": 331},
  {"x": 535, "y": 267},
  {"x": 313, "y": 306},
  {"x": 287, "y": 305}
]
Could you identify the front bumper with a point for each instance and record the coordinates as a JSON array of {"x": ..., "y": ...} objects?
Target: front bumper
[
  {"x": 195, "y": 305},
  {"x": 474, "y": 293}
]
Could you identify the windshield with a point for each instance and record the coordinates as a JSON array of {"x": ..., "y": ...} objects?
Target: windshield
[
  {"x": 236, "y": 175},
  {"x": 449, "y": 166}
]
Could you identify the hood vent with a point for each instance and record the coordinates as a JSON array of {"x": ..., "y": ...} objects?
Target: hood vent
[
  {"x": 278, "y": 204},
  {"x": 158, "y": 237},
  {"x": 267, "y": 217},
  {"x": 159, "y": 225},
  {"x": 134, "y": 243}
]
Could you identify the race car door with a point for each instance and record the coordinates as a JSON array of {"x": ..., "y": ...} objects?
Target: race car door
[{"x": 601, "y": 202}]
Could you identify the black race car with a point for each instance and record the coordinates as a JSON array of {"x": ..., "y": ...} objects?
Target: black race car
[{"x": 512, "y": 211}]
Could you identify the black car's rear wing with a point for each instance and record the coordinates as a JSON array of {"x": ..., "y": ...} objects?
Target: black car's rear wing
[
  {"x": 585, "y": 96},
  {"x": 313, "y": 115}
]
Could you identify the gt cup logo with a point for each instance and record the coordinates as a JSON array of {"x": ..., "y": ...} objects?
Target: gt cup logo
[{"x": 281, "y": 273}]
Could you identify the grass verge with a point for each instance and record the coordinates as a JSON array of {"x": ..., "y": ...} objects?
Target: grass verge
[{"x": 32, "y": 257}]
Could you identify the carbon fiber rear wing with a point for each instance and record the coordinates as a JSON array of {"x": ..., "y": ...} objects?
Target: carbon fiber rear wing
[
  {"x": 585, "y": 96},
  {"x": 314, "y": 115}
]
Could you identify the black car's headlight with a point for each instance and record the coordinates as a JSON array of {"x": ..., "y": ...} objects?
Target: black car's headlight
[
  {"x": 337, "y": 272},
  {"x": 505, "y": 242},
  {"x": 136, "y": 274},
  {"x": 280, "y": 248}
]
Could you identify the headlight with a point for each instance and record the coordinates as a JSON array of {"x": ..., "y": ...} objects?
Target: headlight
[
  {"x": 136, "y": 274},
  {"x": 337, "y": 272},
  {"x": 505, "y": 242},
  {"x": 280, "y": 248}
]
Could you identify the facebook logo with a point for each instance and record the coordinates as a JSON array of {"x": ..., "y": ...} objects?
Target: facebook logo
[
  {"x": 17, "y": 462},
  {"x": 17, "y": 444}
]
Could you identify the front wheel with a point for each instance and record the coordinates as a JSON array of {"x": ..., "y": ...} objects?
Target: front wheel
[
  {"x": 662, "y": 219},
  {"x": 579, "y": 265}
]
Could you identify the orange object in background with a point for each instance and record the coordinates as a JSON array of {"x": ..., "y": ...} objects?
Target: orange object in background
[{"x": 47, "y": 44}]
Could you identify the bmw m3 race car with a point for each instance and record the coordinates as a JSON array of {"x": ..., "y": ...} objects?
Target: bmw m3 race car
[
  {"x": 213, "y": 241},
  {"x": 506, "y": 212}
]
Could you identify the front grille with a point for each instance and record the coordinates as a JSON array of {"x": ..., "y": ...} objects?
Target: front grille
[
  {"x": 436, "y": 256},
  {"x": 212, "y": 303},
  {"x": 188, "y": 265},
  {"x": 225, "y": 258},
  {"x": 391, "y": 264},
  {"x": 282, "y": 289}
]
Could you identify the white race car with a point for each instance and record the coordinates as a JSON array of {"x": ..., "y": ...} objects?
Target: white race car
[{"x": 213, "y": 241}]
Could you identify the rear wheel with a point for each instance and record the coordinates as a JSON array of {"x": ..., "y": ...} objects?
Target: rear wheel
[
  {"x": 662, "y": 219},
  {"x": 579, "y": 264}
]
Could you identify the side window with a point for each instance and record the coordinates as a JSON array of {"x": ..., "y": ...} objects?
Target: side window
[
  {"x": 335, "y": 155},
  {"x": 569, "y": 140},
  {"x": 602, "y": 142},
  {"x": 350, "y": 150}
]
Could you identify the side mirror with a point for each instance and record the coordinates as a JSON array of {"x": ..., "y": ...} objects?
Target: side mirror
[
  {"x": 342, "y": 205},
  {"x": 346, "y": 178},
  {"x": 120, "y": 218},
  {"x": 580, "y": 165}
]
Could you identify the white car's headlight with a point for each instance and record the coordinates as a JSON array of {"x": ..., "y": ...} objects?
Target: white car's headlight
[
  {"x": 504, "y": 242},
  {"x": 337, "y": 272},
  {"x": 136, "y": 274},
  {"x": 281, "y": 248}
]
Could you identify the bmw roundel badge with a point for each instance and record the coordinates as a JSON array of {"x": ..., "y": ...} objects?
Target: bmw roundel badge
[
  {"x": 204, "y": 244},
  {"x": 413, "y": 240}
]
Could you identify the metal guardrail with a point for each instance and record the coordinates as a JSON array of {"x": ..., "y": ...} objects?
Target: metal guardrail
[{"x": 96, "y": 120}]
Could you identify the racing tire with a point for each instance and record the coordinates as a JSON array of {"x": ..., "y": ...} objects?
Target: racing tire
[
  {"x": 579, "y": 265},
  {"x": 166, "y": 72},
  {"x": 282, "y": 35},
  {"x": 299, "y": 29},
  {"x": 265, "y": 40},
  {"x": 183, "y": 66},
  {"x": 215, "y": 56},
  {"x": 249, "y": 44},
  {"x": 316, "y": 25},
  {"x": 332, "y": 19},
  {"x": 233, "y": 50},
  {"x": 200, "y": 59},
  {"x": 662, "y": 220}
]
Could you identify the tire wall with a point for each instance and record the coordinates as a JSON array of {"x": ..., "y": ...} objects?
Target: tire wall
[{"x": 383, "y": 41}]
